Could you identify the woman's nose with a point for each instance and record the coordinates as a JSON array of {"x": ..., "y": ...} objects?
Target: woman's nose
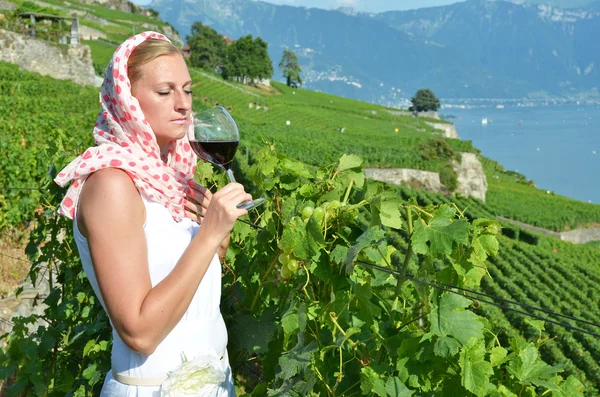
[{"x": 184, "y": 102}]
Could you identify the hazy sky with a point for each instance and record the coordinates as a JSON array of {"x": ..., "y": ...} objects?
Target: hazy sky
[{"x": 360, "y": 5}]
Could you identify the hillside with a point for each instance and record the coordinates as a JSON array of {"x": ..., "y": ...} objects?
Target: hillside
[
  {"x": 103, "y": 25},
  {"x": 527, "y": 270},
  {"x": 39, "y": 114}
]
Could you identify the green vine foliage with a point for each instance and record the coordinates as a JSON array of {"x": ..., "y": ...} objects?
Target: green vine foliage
[
  {"x": 306, "y": 314},
  {"x": 314, "y": 320},
  {"x": 69, "y": 353}
]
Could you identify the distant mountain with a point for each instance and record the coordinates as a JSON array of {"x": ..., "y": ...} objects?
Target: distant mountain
[
  {"x": 544, "y": 46},
  {"x": 342, "y": 54},
  {"x": 558, "y": 3},
  {"x": 471, "y": 49}
]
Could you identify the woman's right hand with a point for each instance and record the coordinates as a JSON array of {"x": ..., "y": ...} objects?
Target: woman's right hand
[{"x": 222, "y": 212}]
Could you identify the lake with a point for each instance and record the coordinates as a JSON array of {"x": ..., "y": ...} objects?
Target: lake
[{"x": 558, "y": 147}]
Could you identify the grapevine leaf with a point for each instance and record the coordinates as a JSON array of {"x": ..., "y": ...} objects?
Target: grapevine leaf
[
  {"x": 571, "y": 387},
  {"x": 267, "y": 165},
  {"x": 498, "y": 356},
  {"x": 308, "y": 190},
  {"x": 314, "y": 236},
  {"x": 289, "y": 183},
  {"x": 505, "y": 392},
  {"x": 358, "y": 178},
  {"x": 446, "y": 346},
  {"x": 242, "y": 230},
  {"x": 293, "y": 233},
  {"x": 475, "y": 370},
  {"x": 367, "y": 309},
  {"x": 349, "y": 161},
  {"x": 537, "y": 324},
  {"x": 305, "y": 244},
  {"x": 322, "y": 268},
  {"x": 372, "y": 253},
  {"x": 370, "y": 236},
  {"x": 472, "y": 271},
  {"x": 296, "y": 360},
  {"x": 289, "y": 321},
  {"x": 375, "y": 210},
  {"x": 442, "y": 232},
  {"x": 448, "y": 317},
  {"x": 389, "y": 213},
  {"x": 252, "y": 334},
  {"x": 491, "y": 226},
  {"x": 489, "y": 243},
  {"x": 260, "y": 390},
  {"x": 288, "y": 208},
  {"x": 91, "y": 372},
  {"x": 370, "y": 382},
  {"x": 89, "y": 346},
  {"x": 395, "y": 388},
  {"x": 528, "y": 367},
  {"x": 420, "y": 237},
  {"x": 292, "y": 387},
  {"x": 295, "y": 168},
  {"x": 302, "y": 316},
  {"x": 338, "y": 254}
]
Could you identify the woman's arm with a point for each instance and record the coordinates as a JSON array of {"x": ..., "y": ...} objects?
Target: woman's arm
[
  {"x": 112, "y": 215},
  {"x": 222, "y": 250}
]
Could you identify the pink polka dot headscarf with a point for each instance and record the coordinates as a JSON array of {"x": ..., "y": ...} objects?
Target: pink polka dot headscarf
[{"x": 125, "y": 140}]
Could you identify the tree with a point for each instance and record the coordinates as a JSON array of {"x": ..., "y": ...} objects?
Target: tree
[
  {"x": 208, "y": 48},
  {"x": 291, "y": 68},
  {"x": 248, "y": 60},
  {"x": 424, "y": 101}
]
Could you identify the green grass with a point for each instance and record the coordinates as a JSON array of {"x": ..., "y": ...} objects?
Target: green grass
[{"x": 101, "y": 52}]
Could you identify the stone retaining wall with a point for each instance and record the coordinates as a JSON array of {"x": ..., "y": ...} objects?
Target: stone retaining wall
[{"x": 73, "y": 62}]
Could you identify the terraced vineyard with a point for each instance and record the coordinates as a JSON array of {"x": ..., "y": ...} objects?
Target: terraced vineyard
[
  {"x": 549, "y": 273},
  {"x": 535, "y": 207},
  {"x": 33, "y": 109},
  {"x": 553, "y": 275},
  {"x": 323, "y": 127}
]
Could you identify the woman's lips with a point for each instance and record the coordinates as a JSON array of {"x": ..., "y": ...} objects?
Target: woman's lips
[{"x": 179, "y": 121}]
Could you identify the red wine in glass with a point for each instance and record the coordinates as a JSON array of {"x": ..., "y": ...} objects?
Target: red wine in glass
[
  {"x": 216, "y": 152},
  {"x": 215, "y": 138}
]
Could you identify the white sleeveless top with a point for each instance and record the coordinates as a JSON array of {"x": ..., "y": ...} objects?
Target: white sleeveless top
[{"x": 200, "y": 329}]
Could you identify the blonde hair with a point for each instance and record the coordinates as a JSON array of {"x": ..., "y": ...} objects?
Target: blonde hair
[{"x": 146, "y": 52}]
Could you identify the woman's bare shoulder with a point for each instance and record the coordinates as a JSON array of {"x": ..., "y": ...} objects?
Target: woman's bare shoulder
[{"x": 109, "y": 195}]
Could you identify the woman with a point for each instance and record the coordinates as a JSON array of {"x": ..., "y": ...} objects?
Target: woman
[{"x": 136, "y": 212}]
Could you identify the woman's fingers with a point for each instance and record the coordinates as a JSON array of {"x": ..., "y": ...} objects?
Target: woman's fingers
[
  {"x": 194, "y": 208},
  {"x": 199, "y": 194},
  {"x": 234, "y": 197},
  {"x": 225, "y": 201},
  {"x": 197, "y": 200},
  {"x": 193, "y": 216}
]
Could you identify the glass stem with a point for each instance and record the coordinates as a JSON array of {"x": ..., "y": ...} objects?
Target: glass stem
[{"x": 230, "y": 175}]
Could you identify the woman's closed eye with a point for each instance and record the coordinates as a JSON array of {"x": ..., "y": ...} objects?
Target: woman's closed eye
[{"x": 164, "y": 93}]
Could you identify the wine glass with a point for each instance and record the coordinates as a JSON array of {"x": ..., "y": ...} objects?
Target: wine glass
[{"x": 215, "y": 138}]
